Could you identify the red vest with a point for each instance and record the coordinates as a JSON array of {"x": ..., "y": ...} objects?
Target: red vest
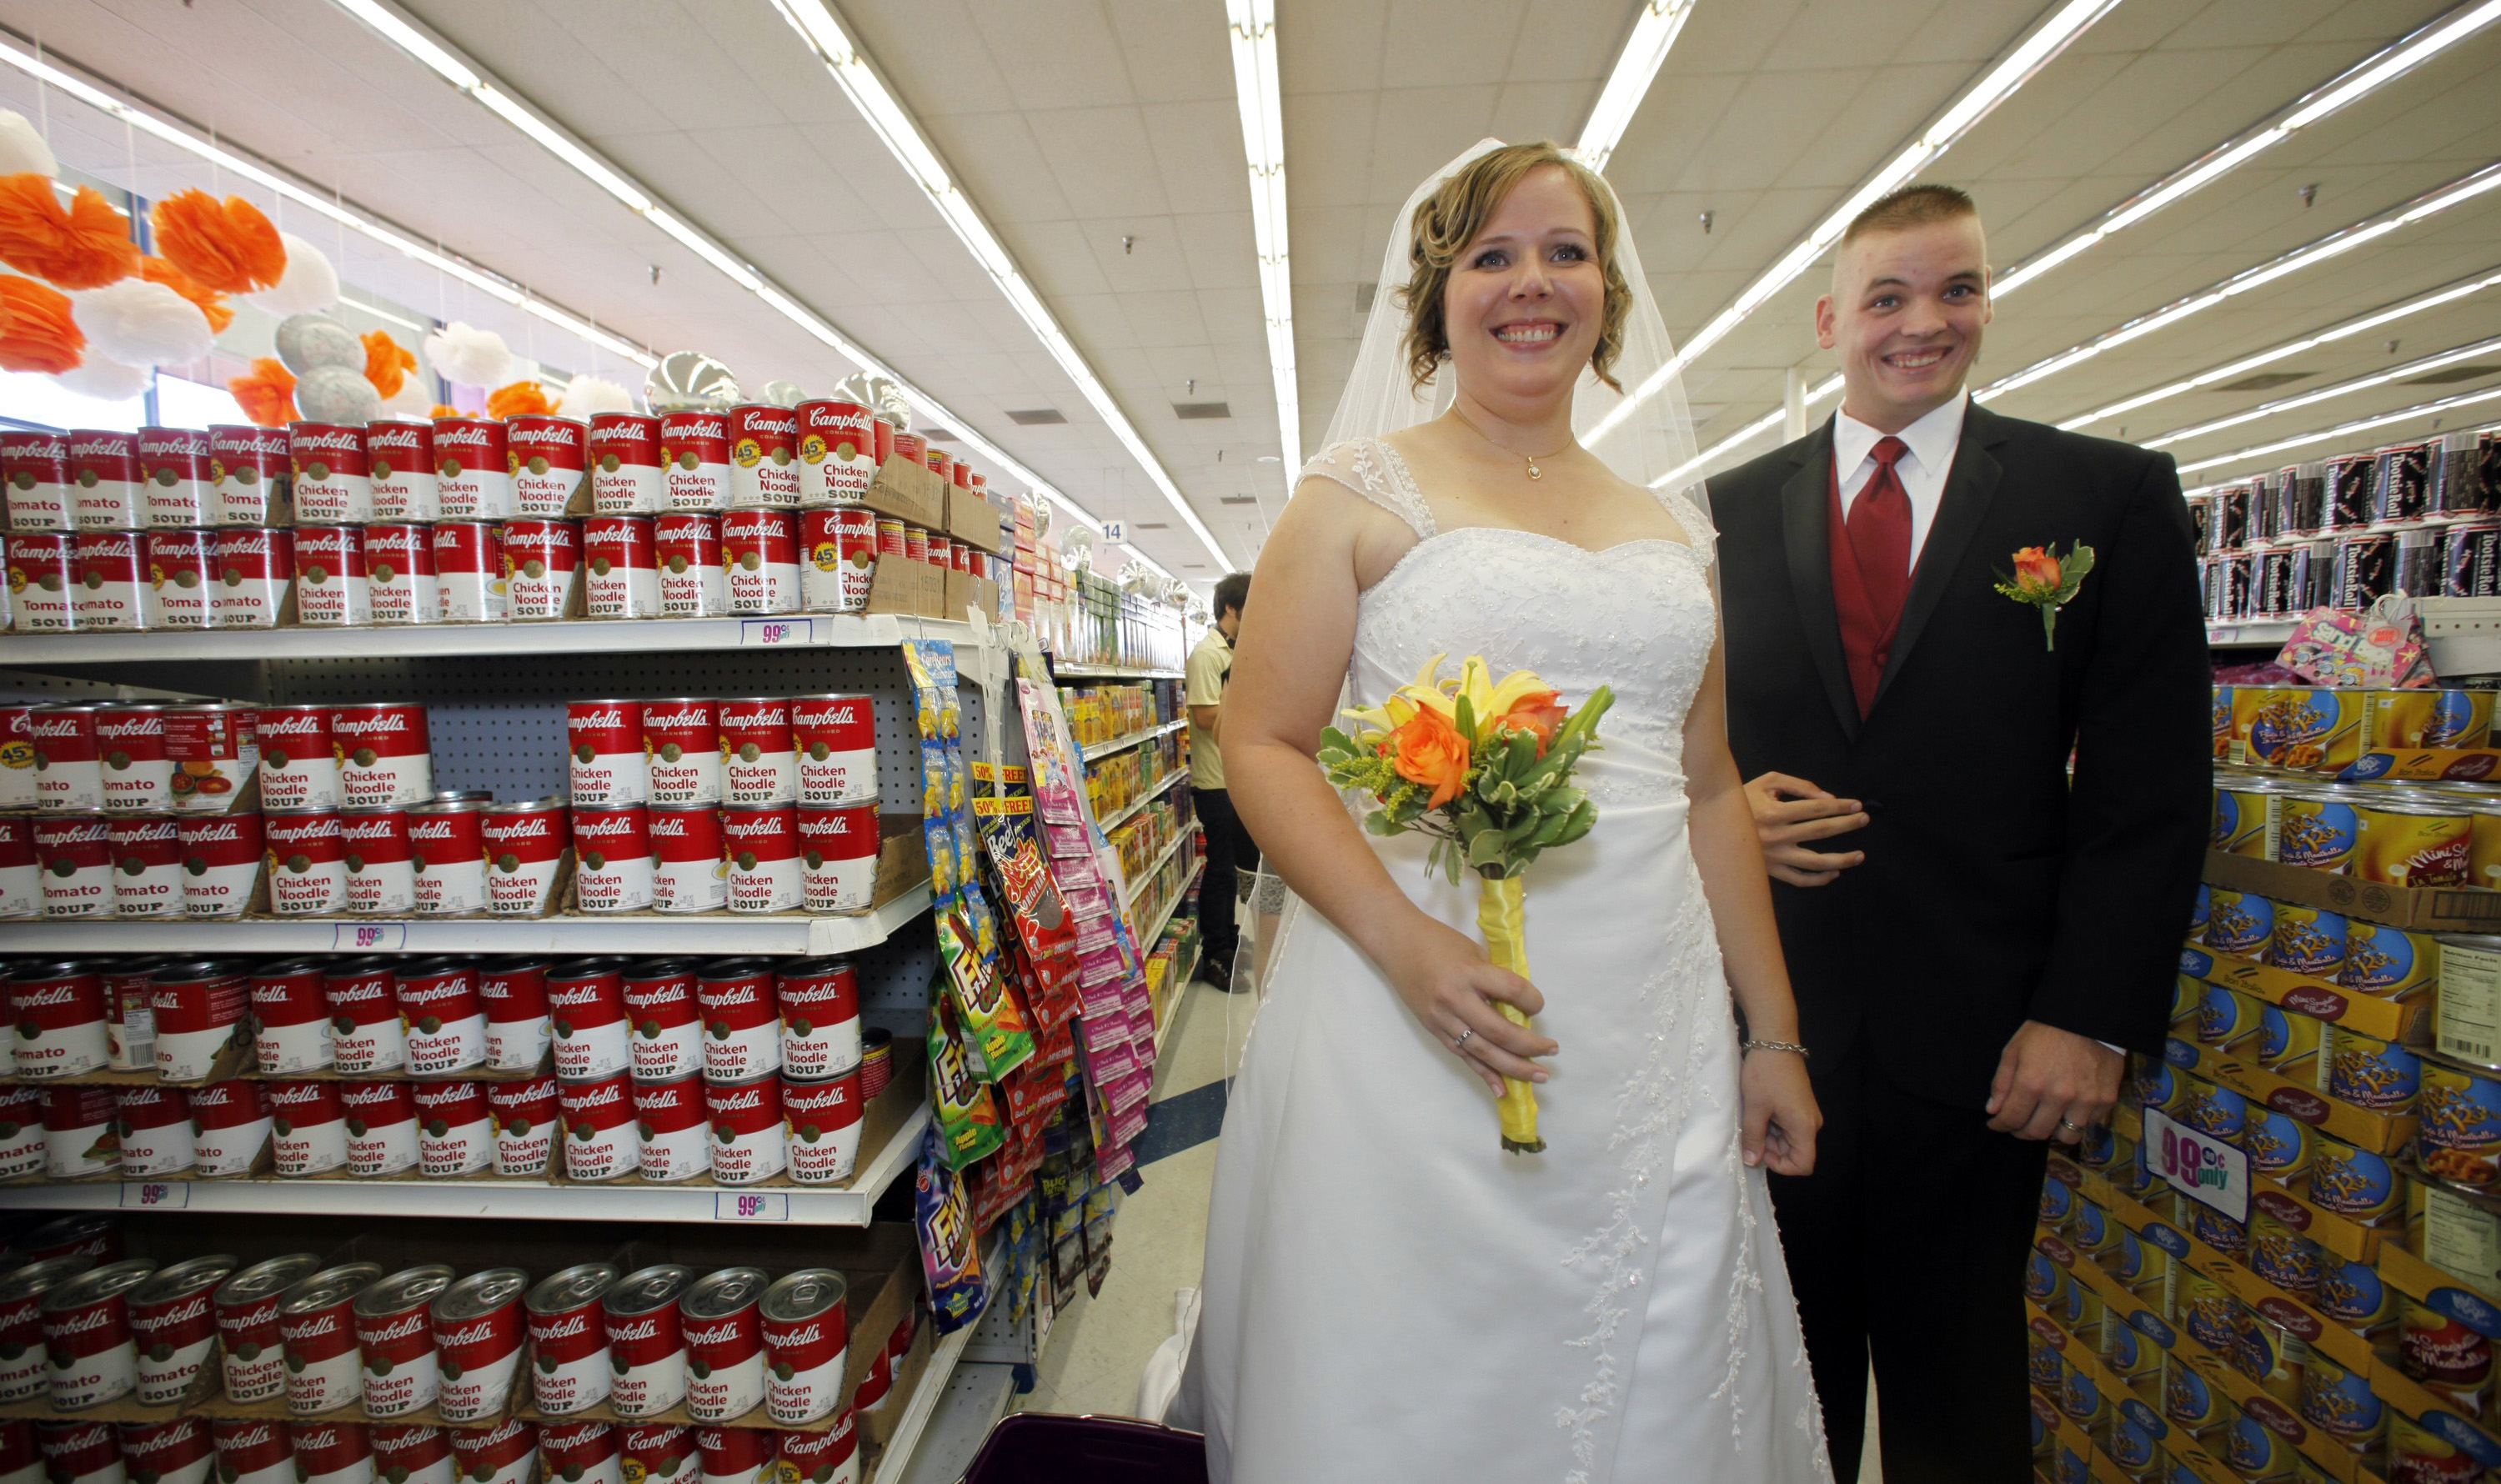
[{"x": 1866, "y": 640}]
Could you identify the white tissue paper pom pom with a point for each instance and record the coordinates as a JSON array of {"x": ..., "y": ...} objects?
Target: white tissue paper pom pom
[
  {"x": 413, "y": 400},
  {"x": 104, "y": 379},
  {"x": 141, "y": 323},
  {"x": 585, "y": 395},
  {"x": 23, "y": 150},
  {"x": 468, "y": 357},
  {"x": 308, "y": 287},
  {"x": 306, "y": 341},
  {"x": 337, "y": 394}
]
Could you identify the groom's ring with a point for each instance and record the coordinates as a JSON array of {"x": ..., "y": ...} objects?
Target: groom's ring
[
  {"x": 1461, "y": 1045},
  {"x": 2074, "y": 1127}
]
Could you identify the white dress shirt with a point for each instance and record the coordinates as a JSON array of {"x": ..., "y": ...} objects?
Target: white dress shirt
[{"x": 1923, "y": 470}]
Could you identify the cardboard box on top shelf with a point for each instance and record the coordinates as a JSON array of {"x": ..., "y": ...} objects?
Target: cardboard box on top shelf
[
  {"x": 912, "y": 589},
  {"x": 2389, "y": 1020},
  {"x": 971, "y": 516},
  {"x": 2425, "y": 909},
  {"x": 907, "y": 492}
]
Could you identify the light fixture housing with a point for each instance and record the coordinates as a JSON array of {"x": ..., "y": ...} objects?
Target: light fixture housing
[
  {"x": 1654, "y": 31},
  {"x": 1252, "y": 27}
]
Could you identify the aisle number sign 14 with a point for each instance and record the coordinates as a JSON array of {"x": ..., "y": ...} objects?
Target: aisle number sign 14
[{"x": 2206, "y": 1169}]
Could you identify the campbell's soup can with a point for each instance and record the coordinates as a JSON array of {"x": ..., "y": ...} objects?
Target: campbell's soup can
[
  {"x": 582, "y": 1453},
  {"x": 667, "y": 1030},
  {"x": 941, "y": 552},
  {"x": 331, "y": 481},
  {"x": 400, "y": 469},
  {"x": 16, "y": 756},
  {"x": 507, "y": 1453},
  {"x": 105, "y": 480},
  {"x": 761, "y": 849},
  {"x": 719, "y": 1315},
  {"x": 251, "y": 472},
  {"x": 181, "y": 1451},
  {"x": 829, "y": 1455},
  {"x": 381, "y": 876},
  {"x": 541, "y": 564},
  {"x": 612, "y": 853},
  {"x": 763, "y": 458},
  {"x": 472, "y": 468},
  {"x": 745, "y": 1130},
  {"x": 76, "y": 852},
  {"x": 21, "y": 1145},
  {"x": 694, "y": 448},
  {"x": 690, "y": 872},
  {"x": 587, "y": 1012},
  {"x": 916, "y": 544},
  {"x": 69, "y": 759},
  {"x": 87, "y": 1335},
  {"x": 174, "y": 1326},
  {"x": 147, "y": 865},
  {"x": 741, "y": 1019},
  {"x": 838, "y": 858},
  {"x": 332, "y": 1452},
  {"x": 306, "y": 862},
  {"x": 674, "y": 1129},
  {"x": 215, "y": 749},
  {"x": 230, "y": 1126},
  {"x": 250, "y": 1337},
  {"x": 469, "y": 583},
  {"x": 366, "y": 1033},
  {"x": 821, "y": 1127},
  {"x": 685, "y": 546},
  {"x": 817, "y": 1009},
  {"x": 447, "y": 846},
  {"x": 444, "y": 1020},
  {"x": 515, "y": 994},
  {"x": 254, "y": 1452},
  {"x": 527, "y": 1126},
  {"x": 384, "y": 759},
  {"x": 735, "y": 1455},
  {"x": 479, "y": 1324},
  {"x": 400, "y": 581},
  {"x": 59, "y": 1012},
  {"x": 110, "y": 587},
  {"x": 382, "y": 1128},
  {"x": 838, "y": 558},
  {"x": 299, "y": 764},
  {"x": 130, "y": 1026},
  {"x": 759, "y": 551},
  {"x": 411, "y": 1454},
  {"x": 308, "y": 1127},
  {"x": 332, "y": 589},
  {"x": 549, "y": 459},
  {"x": 82, "y": 1135},
  {"x": 569, "y": 1336},
  {"x": 605, "y": 742},
  {"x": 890, "y": 539},
  {"x": 682, "y": 747},
  {"x": 646, "y": 1348},
  {"x": 154, "y": 1125},
  {"x": 81, "y": 1451},
  {"x": 806, "y": 1335},
  {"x": 837, "y": 453},
  {"x": 621, "y": 568},
  {"x": 396, "y": 1334},
  {"x": 131, "y": 750},
  {"x": 41, "y": 582},
  {"x": 625, "y": 478},
  {"x": 222, "y": 859},
  {"x": 182, "y": 569},
  {"x": 524, "y": 843},
  {"x": 36, "y": 467},
  {"x": 836, "y": 737},
  {"x": 255, "y": 576},
  {"x": 22, "y": 1361},
  {"x": 759, "y": 762},
  {"x": 600, "y": 1140},
  {"x": 291, "y": 1017},
  {"x": 21, "y": 879}
]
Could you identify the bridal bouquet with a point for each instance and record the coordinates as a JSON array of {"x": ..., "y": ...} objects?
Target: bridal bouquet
[{"x": 1485, "y": 770}]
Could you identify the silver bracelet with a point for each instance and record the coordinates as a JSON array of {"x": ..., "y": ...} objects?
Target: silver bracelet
[{"x": 1773, "y": 1046}]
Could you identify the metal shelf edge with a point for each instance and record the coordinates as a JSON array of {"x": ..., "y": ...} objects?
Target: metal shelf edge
[
  {"x": 822, "y": 631},
  {"x": 1102, "y": 750},
  {"x": 1142, "y": 800},
  {"x": 1149, "y": 874}
]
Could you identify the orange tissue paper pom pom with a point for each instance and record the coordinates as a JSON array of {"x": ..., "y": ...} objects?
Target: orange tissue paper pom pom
[
  {"x": 386, "y": 364},
  {"x": 446, "y": 410},
  {"x": 213, "y": 304},
  {"x": 227, "y": 246},
  {"x": 520, "y": 399},
  {"x": 85, "y": 245},
  {"x": 267, "y": 392},
  {"x": 41, "y": 336}
]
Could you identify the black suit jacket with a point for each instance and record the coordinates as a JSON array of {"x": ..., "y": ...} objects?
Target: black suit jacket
[{"x": 1995, "y": 889}]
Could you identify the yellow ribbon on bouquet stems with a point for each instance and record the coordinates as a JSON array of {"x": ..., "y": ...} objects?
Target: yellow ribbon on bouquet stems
[{"x": 1502, "y": 912}]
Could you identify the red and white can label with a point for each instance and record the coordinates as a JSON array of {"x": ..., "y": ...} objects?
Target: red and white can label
[
  {"x": 331, "y": 481},
  {"x": 621, "y": 572},
  {"x": 37, "y": 470},
  {"x": 599, "y": 1136},
  {"x": 448, "y": 859},
  {"x": 156, "y": 1128},
  {"x": 668, "y": 1032},
  {"x": 836, "y": 736},
  {"x": 688, "y": 872},
  {"x": 365, "y": 1032},
  {"x": 803, "y": 1361},
  {"x": 455, "y": 1130},
  {"x": 821, "y": 1019},
  {"x": 746, "y": 1131},
  {"x": 916, "y": 544},
  {"x": 213, "y": 750},
  {"x": 110, "y": 573},
  {"x": 69, "y": 759},
  {"x": 735, "y": 1455},
  {"x": 40, "y": 583},
  {"x": 625, "y": 478},
  {"x": 331, "y": 585},
  {"x": 399, "y": 466},
  {"x": 660, "y": 1452},
  {"x": 254, "y": 1452},
  {"x": 837, "y": 453},
  {"x": 308, "y": 1128},
  {"x": 81, "y": 1136},
  {"x": 176, "y": 1452},
  {"x": 444, "y": 1020},
  {"x": 331, "y": 1452},
  {"x": 476, "y": 1359},
  {"x": 761, "y": 849},
  {"x": 61, "y": 1023},
  {"x": 941, "y": 552},
  {"x": 507, "y": 1453},
  {"x": 473, "y": 474},
  {"x": 308, "y": 863},
  {"x": 647, "y": 1355},
  {"x": 229, "y": 1126},
  {"x": 525, "y": 844},
  {"x": 547, "y": 456},
  {"x": 251, "y": 1350},
  {"x": 290, "y": 1018},
  {"x": 838, "y": 853},
  {"x": 822, "y": 1119},
  {"x": 582, "y": 1453},
  {"x": 526, "y": 1125},
  {"x": 76, "y": 856},
  {"x": 759, "y": 763},
  {"x": 21, "y": 879},
  {"x": 724, "y": 1365},
  {"x": 469, "y": 582},
  {"x": 400, "y": 585},
  {"x": 324, "y": 1370},
  {"x": 381, "y": 875},
  {"x": 586, "y": 1011},
  {"x": 763, "y": 458},
  {"x": 605, "y": 739},
  {"x": 542, "y": 562},
  {"x": 130, "y": 744},
  {"x": 147, "y": 866},
  {"x": 382, "y": 1128},
  {"x": 248, "y": 467},
  {"x": 21, "y": 1144},
  {"x": 182, "y": 569},
  {"x": 760, "y": 554},
  {"x": 411, "y": 1455},
  {"x": 104, "y": 480},
  {"x": 21, "y": 1347},
  {"x": 612, "y": 854},
  {"x": 741, "y": 1024},
  {"x": 17, "y": 757},
  {"x": 299, "y": 762},
  {"x": 221, "y": 858},
  {"x": 682, "y": 752},
  {"x": 686, "y": 546},
  {"x": 256, "y": 574},
  {"x": 670, "y": 1120},
  {"x": 829, "y": 1457},
  {"x": 838, "y": 549},
  {"x": 401, "y": 1373},
  {"x": 694, "y": 445},
  {"x": 517, "y": 1015},
  {"x": 384, "y": 759},
  {"x": 80, "y": 1453}
]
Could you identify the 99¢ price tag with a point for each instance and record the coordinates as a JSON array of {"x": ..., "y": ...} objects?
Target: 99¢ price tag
[
  {"x": 756, "y": 1206},
  {"x": 2205, "y": 1168},
  {"x": 155, "y": 1195}
]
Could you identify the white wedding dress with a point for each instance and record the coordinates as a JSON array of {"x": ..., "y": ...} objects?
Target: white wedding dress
[{"x": 1389, "y": 1297}]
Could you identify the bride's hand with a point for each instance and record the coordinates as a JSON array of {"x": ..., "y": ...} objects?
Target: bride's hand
[
  {"x": 1780, "y": 1114},
  {"x": 1449, "y": 984}
]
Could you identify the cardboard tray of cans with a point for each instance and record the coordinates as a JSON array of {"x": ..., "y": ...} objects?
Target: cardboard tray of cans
[
  {"x": 2442, "y": 1292},
  {"x": 2425, "y": 764},
  {"x": 2079, "y": 1352},
  {"x": 2362, "y": 1128},
  {"x": 2407, "y": 1023},
  {"x": 2425, "y": 909},
  {"x": 2071, "y": 1439}
]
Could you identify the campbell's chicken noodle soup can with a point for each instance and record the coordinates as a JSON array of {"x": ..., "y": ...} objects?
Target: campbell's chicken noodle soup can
[
  {"x": 182, "y": 569},
  {"x": 817, "y": 1005},
  {"x": 177, "y": 1452},
  {"x": 674, "y": 1129},
  {"x": 81, "y": 1133},
  {"x": 308, "y": 1127},
  {"x": 685, "y": 546},
  {"x": 694, "y": 448},
  {"x": 250, "y": 472},
  {"x": 612, "y": 853},
  {"x": 838, "y": 452},
  {"x": 838, "y": 558},
  {"x": 253, "y": 1451},
  {"x": 105, "y": 480},
  {"x": 721, "y": 1316},
  {"x": 332, "y": 1452},
  {"x": 447, "y": 846},
  {"x": 515, "y": 994},
  {"x": 582, "y": 1452},
  {"x": 400, "y": 583},
  {"x": 525, "y": 843},
  {"x": 646, "y": 1353},
  {"x": 384, "y": 759},
  {"x": 76, "y": 852},
  {"x": 620, "y": 570},
  {"x": 411, "y": 1454},
  {"x": 381, "y": 872},
  {"x": 763, "y": 458},
  {"x": 255, "y": 576},
  {"x": 59, "y": 1012},
  {"x": 527, "y": 1126},
  {"x": 366, "y": 1035},
  {"x": 22, "y": 1361},
  {"x": 291, "y": 1017},
  {"x": 473, "y": 476},
  {"x": 250, "y": 1339},
  {"x": 507, "y": 1453},
  {"x": 396, "y": 1334},
  {"x": 821, "y": 1126},
  {"x": 688, "y": 870},
  {"x": 682, "y": 748},
  {"x": 549, "y": 459},
  {"x": 600, "y": 1140},
  {"x": 759, "y": 551},
  {"x": 133, "y": 769},
  {"x": 110, "y": 587},
  {"x": 479, "y": 1324},
  {"x": 174, "y": 1326},
  {"x": 154, "y": 1125},
  {"x": 400, "y": 469},
  {"x": 838, "y": 852},
  {"x": 469, "y": 582},
  {"x": 21, "y": 879},
  {"x": 827, "y": 1455},
  {"x": 659, "y": 1452},
  {"x": 569, "y": 1336},
  {"x": 86, "y": 1335},
  {"x": 81, "y": 1451},
  {"x": 444, "y": 1020},
  {"x": 222, "y": 859},
  {"x": 41, "y": 582},
  {"x": 331, "y": 480},
  {"x": 230, "y": 1126},
  {"x": 147, "y": 865},
  {"x": 69, "y": 759},
  {"x": 667, "y": 1027},
  {"x": 308, "y": 863},
  {"x": 215, "y": 749},
  {"x": 382, "y": 1128},
  {"x": 542, "y": 563},
  {"x": 745, "y": 1130},
  {"x": 587, "y": 1012},
  {"x": 36, "y": 467},
  {"x": 806, "y": 1332},
  {"x": 742, "y": 1020},
  {"x": 299, "y": 763},
  {"x": 759, "y": 762},
  {"x": 605, "y": 742},
  {"x": 836, "y": 738},
  {"x": 761, "y": 849},
  {"x": 735, "y": 1455},
  {"x": 625, "y": 477},
  {"x": 332, "y": 589}
]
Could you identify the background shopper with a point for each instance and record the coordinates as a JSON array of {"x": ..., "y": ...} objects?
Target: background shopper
[{"x": 1230, "y": 854}]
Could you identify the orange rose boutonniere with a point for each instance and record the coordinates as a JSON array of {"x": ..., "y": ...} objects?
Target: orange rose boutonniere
[{"x": 2046, "y": 582}]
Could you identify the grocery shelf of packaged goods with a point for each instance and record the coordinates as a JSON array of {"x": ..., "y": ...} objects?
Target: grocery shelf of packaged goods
[
  {"x": 415, "y": 640},
  {"x": 1147, "y": 939},
  {"x": 929, "y": 1434},
  {"x": 1106, "y": 749},
  {"x": 1138, "y": 882},
  {"x": 2251, "y": 631},
  {"x": 1109, "y": 672},
  {"x": 974, "y": 1400},
  {"x": 1172, "y": 998},
  {"x": 1154, "y": 791},
  {"x": 711, "y": 932}
]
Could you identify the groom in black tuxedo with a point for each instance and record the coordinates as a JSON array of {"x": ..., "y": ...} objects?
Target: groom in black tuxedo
[{"x": 1990, "y": 931}]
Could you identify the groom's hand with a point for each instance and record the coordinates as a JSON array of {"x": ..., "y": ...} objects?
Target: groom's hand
[
  {"x": 2053, "y": 1082},
  {"x": 1791, "y": 810}
]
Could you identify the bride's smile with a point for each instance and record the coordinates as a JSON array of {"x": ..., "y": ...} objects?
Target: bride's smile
[{"x": 1532, "y": 287}]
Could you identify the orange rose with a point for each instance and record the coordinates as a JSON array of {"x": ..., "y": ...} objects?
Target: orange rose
[
  {"x": 1428, "y": 750},
  {"x": 1536, "y": 713},
  {"x": 2036, "y": 572}
]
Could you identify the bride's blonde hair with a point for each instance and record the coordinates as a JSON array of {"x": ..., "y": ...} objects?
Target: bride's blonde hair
[{"x": 1450, "y": 218}]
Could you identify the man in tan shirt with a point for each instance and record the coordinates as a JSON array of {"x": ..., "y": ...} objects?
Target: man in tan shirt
[{"x": 1229, "y": 849}]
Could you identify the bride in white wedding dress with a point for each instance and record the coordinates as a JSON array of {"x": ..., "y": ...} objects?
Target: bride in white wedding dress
[{"x": 1387, "y": 1296}]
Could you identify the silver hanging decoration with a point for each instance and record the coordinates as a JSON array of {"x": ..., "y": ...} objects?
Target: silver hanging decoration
[
  {"x": 882, "y": 397},
  {"x": 689, "y": 381},
  {"x": 783, "y": 393}
]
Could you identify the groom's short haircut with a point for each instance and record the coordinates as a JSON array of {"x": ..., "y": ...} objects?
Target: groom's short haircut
[{"x": 1898, "y": 211}]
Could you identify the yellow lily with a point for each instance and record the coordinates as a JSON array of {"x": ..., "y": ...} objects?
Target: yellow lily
[{"x": 1486, "y": 700}]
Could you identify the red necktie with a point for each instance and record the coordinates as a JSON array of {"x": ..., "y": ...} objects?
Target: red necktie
[{"x": 1879, "y": 535}]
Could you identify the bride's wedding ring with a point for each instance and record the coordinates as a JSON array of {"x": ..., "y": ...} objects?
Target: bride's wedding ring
[{"x": 1460, "y": 1044}]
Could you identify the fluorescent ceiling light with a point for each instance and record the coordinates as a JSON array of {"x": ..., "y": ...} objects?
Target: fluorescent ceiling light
[
  {"x": 2410, "y": 369},
  {"x": 2344, "y": 430},
  {"x": 2011, "y": 72},
  {"x": 1254, "y": 28},
  {"x": 893, "y": 124},
  {"x": 1654, "y": 34}
]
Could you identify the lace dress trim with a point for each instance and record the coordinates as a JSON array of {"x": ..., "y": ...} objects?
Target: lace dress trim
[{"x": 1374, "y": 468}]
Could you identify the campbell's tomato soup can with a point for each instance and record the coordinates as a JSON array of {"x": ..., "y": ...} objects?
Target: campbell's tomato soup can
[
  {"x": 177, "y": 1452},
  {"x": 444, "y": 1020},
  {"x": 807, "y": 1334},
  {"x": 76, "y": 852},
  {"x": 600, "y": 1140},
  {"x": 332, "y": 1452},
  {"x": 541, "y": 564},
  {"x": 182, "y": 569},
  {"x": 400, "y": 583},
  {"x": 745, "y": 1130},
  {"x": 605, "y": 742},
  {"x": 569, "y": 1334},
  {"x": 174, "y": 1326},
  {"x": 625, "y": 477},
  {"x": 410, "y": 1454},
  {"x": 582, "y": 1453},
  {"x": 131, "y": 752},
  {"x": 381, "y": 874},
  {"x": 110, "y": 587},
  {"x": 22, "y": 1147},
  {"x": 646, "y": 1350},
  {"x": 837, "y": 453},
  {"x": 317, "y": 1323},
  {"x": 686, "y": 543},
  {"x": 307, "y": 861},
  {"x": 836, "y": 738},
  {"x": 762, "y": 848},
  {"x": 250, "y": 472},
  {"x": 818, "y": 1001},
  {"x": 515, "y": 994},
  {"x": 396, "y": 1333},
  {"x": 59, "y": 1012},
  {"x": 763, "y": 458},
  {"x": 741, "y": 1019},
  {"x": 199, "y": 1009},
  {"x": 469, "y": 582},
  {"x": 473, "y": 479},
  {"x": 36, "y": 467},
  {"x": 331, "y": 481},
  {"x": 821, "y": 1126},
  {"x": 222, "y": 859},
  {"x": 41, "y": 582},
  {"x": 524, "y": 842},
  {"x": 81, "y": 1451},
  {"x": 667, "y": 1043},
  {"x": 308, "y": 1127},
  {"x": 16, "y": 756},
  {"x": 527, "y": 1126},
  {"x": 682, "y": 747},
  {"x": 735, "y": 1455},
  {"x": 838, "y": 558},
  {"x": 23, "y": 1362},
  {"x": 255, "y": 576},
  {"x": 154, "y": 1125},
  {"x": 291, "y": 1017},
  {"x": 694, "y": 448},
  {"x": 612, "y": 853},
  {"x": 331, "y": 585},
  {"x": 251, "y": 1343},
  {"x": 104, "y": 480},
  {"x": 507, "y": 1453},
  {"x": 383, "y": 760},
  {"x": 829, "y": 1456},
  {"x": 21, "y": 879},
  {"x": 446, "y": 845},
  {"x": 838, "y": 855},
  {"x": 549, "y": 459},
  {"x": 479, "y": 1324},
  {"x": 147, "y": 865},
  {"x": 759, "y": 762},
  {"x": 254, "y": 1452},
  {"x": 82, "y": 1133},
  {"x": 213, "y": 748},
  {"x": 400, "y": 469},
  {"x": 759, "y": 553},
  {"x": 620, "y": 571},
  {"x": 382, "y": 1128},
  {"x": 299, "y": 764},
  {"x": 689, "y": 871},
  {"x": 586, "y": 1011},
  {"x": 69, "y": 759},
  {"x": 86, "y": 1335},
  {"x": 230, "y": 1122},
  {"x": 673, "y": 1128},
  {"x": 721, "y": 1316}
]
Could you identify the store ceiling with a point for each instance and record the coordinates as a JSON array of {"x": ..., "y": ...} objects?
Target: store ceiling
[{"x": 1074, "y": 125}]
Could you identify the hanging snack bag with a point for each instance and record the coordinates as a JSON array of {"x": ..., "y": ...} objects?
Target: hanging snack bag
[
  {"x": 991, "y": 1014},
  {"x": 1042, "y": 921},
  {"x": 949, "y": 1257},
  {"x": 968, "y": 1120}
]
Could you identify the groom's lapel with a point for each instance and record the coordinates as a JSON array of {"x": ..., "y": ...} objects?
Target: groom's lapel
[
  {"x": 1969, "y": 488},
  {"x": 1806, "y": 530}
]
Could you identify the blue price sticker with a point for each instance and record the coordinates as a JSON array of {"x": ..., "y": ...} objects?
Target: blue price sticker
[
  {"x": 770, "y": 631},
  {"x": 369, "y": 938},
  {"x": 2206, "y": 1169},
  {"x": 750, "y": 1206},
  {"x": 155, "y": 1195}
]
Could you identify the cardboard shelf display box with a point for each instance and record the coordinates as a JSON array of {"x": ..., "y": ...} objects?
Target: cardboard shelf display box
[
  {"x": 2407, "y": 1022},
  {"x": 2425, "y": 909}
]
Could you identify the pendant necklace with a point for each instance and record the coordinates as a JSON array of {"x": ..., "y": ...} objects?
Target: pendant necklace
[{"x": 1530, "y": 459}]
